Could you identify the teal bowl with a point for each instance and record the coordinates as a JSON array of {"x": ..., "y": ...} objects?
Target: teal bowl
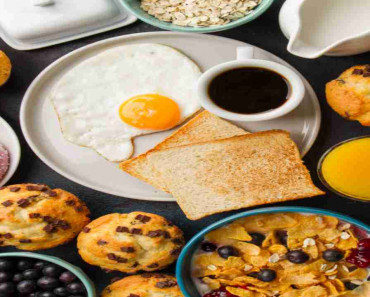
[
  {"x": 183, "y": 273},
  {"x": 89, "y": 285},
  {"x": 133, "y": 6}
]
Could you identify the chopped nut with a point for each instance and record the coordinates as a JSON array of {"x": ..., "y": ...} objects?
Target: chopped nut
[
  {"x": 309, "y": 242},
  {"x": 212, "y": 267},
  {"x": 332, "y": 269},
  {"x": 345, "y": 235},
  {"x": 274, "y": 258}
]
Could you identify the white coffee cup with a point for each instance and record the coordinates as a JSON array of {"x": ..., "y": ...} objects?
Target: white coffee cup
[{"x": 245, "y": 59}]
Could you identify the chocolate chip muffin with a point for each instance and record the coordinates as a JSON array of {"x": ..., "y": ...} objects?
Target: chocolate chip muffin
[
  {"x": 130, "y": 242},
  {"x": 145, "y": 285},
  {"x": 35, "y": 217},
  {"x": 349, "y": 95}
]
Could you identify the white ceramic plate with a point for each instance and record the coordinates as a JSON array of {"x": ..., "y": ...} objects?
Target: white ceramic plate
[
  {"x": 9, "y": 139},
  {"x": 82, "y": 165}
]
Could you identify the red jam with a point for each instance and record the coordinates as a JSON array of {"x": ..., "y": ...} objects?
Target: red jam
[
  {"x": 221, "y": 292},
  {"x": 361, "y": 256}
]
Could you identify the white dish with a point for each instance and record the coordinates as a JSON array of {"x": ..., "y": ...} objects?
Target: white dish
[
  {"x": 9, "y": 139},
  {"x": 41, "y": 128},
  {"x": 25, "y": 26}
]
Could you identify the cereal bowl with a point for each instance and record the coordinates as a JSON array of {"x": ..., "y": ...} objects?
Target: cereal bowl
[
  {"x": 133, "y": 6},
  {"x": 79, "y": 275},
  {"x": 184, "y": 268}
]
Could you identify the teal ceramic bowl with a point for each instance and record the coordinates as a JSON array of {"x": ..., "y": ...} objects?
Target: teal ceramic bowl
[
  {"x": 183, "y": 273},
  {"x": 89, "y": 285},
  {"x": 133, "y": 6}
]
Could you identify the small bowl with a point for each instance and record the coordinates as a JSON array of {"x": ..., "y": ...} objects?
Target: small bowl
[
  {"x": 133, "y": 6},
  {"x": 89, "y": 285},
  {"x": 183, "y": 267},
  {"x": 326, "y": 184}
]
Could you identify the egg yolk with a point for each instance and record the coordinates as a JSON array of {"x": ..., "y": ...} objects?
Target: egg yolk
[{"x": 150, "y": 111}]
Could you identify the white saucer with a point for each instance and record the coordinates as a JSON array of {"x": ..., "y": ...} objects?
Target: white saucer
[
  {"x": 41, "y": 128},
  {"x": 9, "y": 139}
]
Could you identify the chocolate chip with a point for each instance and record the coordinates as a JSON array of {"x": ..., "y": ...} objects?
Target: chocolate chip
[
  {"x": 23, "y": 203},
  {"x": 2, "y": 188},
  {"x": 41, "y": 188},
  {"x": 49, "y": 228},
  {"x": 178, "y": 241},
  {"x": 121, "y": 259},
  {"x": 47, "y": 219},
  {"x": 136, "y": 264},
  {"x": 175, "y": 252},
  {"x": 155, "y": 275},
  {"x": 358, "y": 72},
  {"x": 158, "y": 233},
  {"x": 34, "y": 215},
  {"x": 14, "y": 189},
  {"x": 64, "y": 225},
  {"x": 1, "y": 242},
  {"x": 154, "y": 265},
  {"x": 51, "y": 193},
  {"x": 340, "y": 81},
  {"x": 166, "y": 284},
  {"x": 128, "y": 249},
  {"x": 142, "y": 218},
  {"x": 7, "y": 203},
  {"x": 70, "y": 202},
  {"x": 111, "y": 256},
  {"x": 133, "y": 295},
  {"x": 136, "y": 231},
  {"x": 367, "y": 68},
  {"x": 8, "y": 235},
  {"x": 101, "y": 242},
  {"x": 86, "y": 230},
  {"x": 122, "y": 229},
  {"x": 367, "y": 74},
  {"x": 25, "y": 240}
]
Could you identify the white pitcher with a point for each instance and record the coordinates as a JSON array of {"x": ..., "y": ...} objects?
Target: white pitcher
[{"x": 326, "y": 27}]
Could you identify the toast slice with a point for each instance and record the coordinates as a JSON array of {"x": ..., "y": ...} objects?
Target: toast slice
[
  {"x": 241, "y": 171},
  {"x": 203, "y": 127}
]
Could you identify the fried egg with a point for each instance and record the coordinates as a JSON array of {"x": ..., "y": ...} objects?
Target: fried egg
[{"x": 127, "y": 91}]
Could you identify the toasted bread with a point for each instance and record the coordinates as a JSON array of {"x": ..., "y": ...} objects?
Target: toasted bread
[
  {"x": 234, "y": 173},
  {"x": 203, "y": 127}
]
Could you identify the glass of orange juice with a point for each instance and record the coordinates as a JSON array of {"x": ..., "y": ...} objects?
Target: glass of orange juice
[{"x": 345, "y": 168}]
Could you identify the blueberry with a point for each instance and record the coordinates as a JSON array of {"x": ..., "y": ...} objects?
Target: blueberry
[
  {"x": 39, "y": 265},
  {"x": 67, "y": 277},
  {"x": 26, "y": 287},
  {"x": 208, "y": 247},
  {"x": 282, "y": 235},
  {"x": 266, "y": 275},
  {"x": 332, "y": 255},
  {"x": 5, "y": 276},
  {"x": 6, "y": 265},
  {"x": 257, "y": 238},
  {"x": 7, "y": 288},
  {"x": 76, "y": 288},
  {"x": 61, "y": 291},
  {"x": 227, "y": 251},
  {"x": 18, "y": 277},
  {"x": 52, "y": 270},
  {"x": 47, "y": 282},
  {"x": 350, "y": 286},
  {"x": 297, "y": 257},
  {"x": 46, "y": 294},
  {"x": 24, "y": 265},
  {"x": 31, "y": 274}
]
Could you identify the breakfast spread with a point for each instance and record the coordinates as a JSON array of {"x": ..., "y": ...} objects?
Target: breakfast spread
[
  {"x": 282, "y": 254},
  {"x": 5, "y": 68},
  {"x": 124, "y": 92},
  {"x": 36, "y": 217},
  {"x": 199, "y": 13},
  {"x": 130, "y": 242},
  {"x": 23, "y": 276},
  {"x": 147, "y": 284},
  {"x": 348, "y": 95},
  {"x": 345, "y": 168},
  {"x": 4, "y": 161},
  {"x": 249, "y": 90}
]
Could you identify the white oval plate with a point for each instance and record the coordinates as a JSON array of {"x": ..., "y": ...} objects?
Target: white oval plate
[
  {"x": 41, "y": 128},
  {"x": 9, "y": 139}
]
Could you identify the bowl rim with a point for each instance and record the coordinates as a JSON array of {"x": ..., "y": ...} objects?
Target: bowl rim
[
  {"x": 89, "y": 285},
  {"x": 259, "y": 10},
  {"x": 322, "y": 178},
  {"x": 300, "y": 209}
]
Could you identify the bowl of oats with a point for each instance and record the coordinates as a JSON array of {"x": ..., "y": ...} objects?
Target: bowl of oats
[
  {"x": 279, "y": 251},
  {"x": 198, "y": 16}
]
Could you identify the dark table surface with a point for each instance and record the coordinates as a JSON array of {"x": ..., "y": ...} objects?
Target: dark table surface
[{"x": 263, "y": 32}]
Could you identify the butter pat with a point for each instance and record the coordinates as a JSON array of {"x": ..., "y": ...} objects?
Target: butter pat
[{"x": 42, "y": 2}]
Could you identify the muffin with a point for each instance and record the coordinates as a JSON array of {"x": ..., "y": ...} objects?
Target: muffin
[
  {"x": 349, "y": 95},
  {"x": 5, "y": 68},
  {"x": 35, "y": 217},
  {"x": 130, "y": 242},
  {"x": 145, "y": 285}
]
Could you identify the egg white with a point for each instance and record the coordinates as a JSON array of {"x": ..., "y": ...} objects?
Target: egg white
[{"x": 88, "y": 97}]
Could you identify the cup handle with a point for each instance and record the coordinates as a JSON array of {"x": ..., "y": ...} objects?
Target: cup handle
[{"x": 244, "y": 53}]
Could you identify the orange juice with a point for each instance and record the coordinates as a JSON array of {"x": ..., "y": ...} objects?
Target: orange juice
[{"x": 346, "y": 168}]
